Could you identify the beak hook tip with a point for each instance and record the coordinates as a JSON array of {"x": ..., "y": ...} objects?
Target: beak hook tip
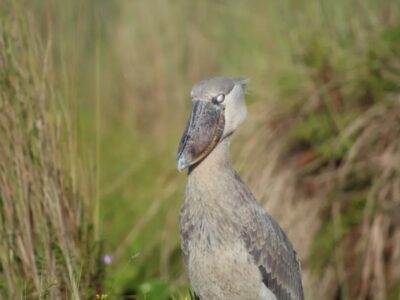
[{"x": 181, "y": 164}]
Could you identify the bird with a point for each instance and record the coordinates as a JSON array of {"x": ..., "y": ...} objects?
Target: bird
[{"x": 232, "y": 248}]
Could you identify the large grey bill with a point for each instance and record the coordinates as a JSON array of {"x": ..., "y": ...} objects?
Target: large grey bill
[{"x": 203, "y": 132}]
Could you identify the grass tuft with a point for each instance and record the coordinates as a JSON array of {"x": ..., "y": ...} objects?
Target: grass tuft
[{"x": 47, "y": 246}]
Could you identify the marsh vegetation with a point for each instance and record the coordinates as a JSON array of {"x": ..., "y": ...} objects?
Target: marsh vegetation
[{"x": 93, "y": 98}]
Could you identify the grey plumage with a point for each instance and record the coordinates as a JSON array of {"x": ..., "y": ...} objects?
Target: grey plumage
[
  {"x": 232, "y": 248},
  {"x": 214, "y": 86}
]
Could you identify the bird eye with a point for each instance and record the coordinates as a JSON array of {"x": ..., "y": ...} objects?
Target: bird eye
[{"x": 219, "y": 99}]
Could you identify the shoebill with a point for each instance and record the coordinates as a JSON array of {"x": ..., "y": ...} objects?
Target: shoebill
[{"x": 232, "y": 248}]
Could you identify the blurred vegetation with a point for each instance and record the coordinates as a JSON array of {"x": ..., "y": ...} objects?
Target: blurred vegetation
[{"x": 93, "y": 99}]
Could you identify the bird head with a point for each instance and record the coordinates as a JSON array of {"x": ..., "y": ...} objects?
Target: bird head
[{"x": 218, "y": 108}]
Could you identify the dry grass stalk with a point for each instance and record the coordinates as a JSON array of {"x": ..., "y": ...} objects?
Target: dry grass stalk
[{"x": 47, "y": 249}]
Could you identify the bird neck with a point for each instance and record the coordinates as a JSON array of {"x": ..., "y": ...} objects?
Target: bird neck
[
  {"x": 214, "y": 163},
  {"x": 214, "y": 190},
  {"x": 212, "y": 178}
]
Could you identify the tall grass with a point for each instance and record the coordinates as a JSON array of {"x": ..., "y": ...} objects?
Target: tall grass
[
  {"x": 47, "y": 246},
  {"x": 94, "y": 96}
]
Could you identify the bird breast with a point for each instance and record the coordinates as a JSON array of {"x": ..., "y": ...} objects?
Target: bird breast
[{"x": 223, "y": 271}]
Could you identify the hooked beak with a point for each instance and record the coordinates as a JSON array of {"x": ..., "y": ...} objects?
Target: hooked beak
[{"x": 203, "y": 132}]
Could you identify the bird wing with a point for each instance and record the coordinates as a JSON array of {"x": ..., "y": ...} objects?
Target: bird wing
[{"x": 274, "y": 255}]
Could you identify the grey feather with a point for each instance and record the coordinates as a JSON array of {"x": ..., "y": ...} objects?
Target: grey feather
[{"x": 271, "y": 250}]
